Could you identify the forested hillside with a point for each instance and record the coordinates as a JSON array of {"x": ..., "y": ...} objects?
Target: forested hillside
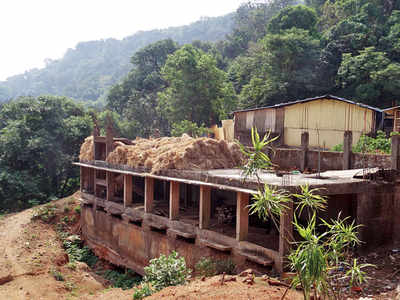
[
  {"x": 276, "y": 51},
  {"x": 87, "y": 71}
]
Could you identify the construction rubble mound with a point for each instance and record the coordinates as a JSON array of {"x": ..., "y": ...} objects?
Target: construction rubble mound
[{"x": 181, "y": 153}]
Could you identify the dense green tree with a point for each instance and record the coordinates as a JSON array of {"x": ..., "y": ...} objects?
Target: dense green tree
[
  {"x": 298, "y": 16},
  {"x": 197, "y": 90},
  {"x": 39, "y": 138},
  {"x": 370, "y": 77}
]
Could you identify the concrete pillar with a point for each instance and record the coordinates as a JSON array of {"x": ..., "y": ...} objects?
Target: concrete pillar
[
  {"x": 365, "y": 214},
  {"x": 396, "y": 215},
  {"x": 81, "y": 177},
  {"x": 304, "y": 147},
  {"x": 173, "y": 200},
  {"x": 347, "y": 150},
  {"x": 205, "y": 206},
  {"x": 285, "y": 236},
  {"x": 148, "y": 194},
  {"x": 242, "y": 216},
  {"x": 396, "y": 152},
  {"x": 128, "y": 188},
  {"x": 110, "y": 186}
]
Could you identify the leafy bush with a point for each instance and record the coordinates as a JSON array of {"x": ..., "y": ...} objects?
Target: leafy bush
[
  {"x": 166, "y": 271},
  {"x": 57, "y": 275},
  {"x": 75, "y": 251},
  {"x": 338, "y": 148},
  {"x": 367, "y": 144},
  {"x": 77, "y": 209},
  {"x": 125, "y": 280},
  {"x": 190, "y": 128},
  {"x": 143, "y": 291},
  {"x": 210, "y": 267},
  {"x": 162, "y": 272},
  {"x": 46, "y": 213}
]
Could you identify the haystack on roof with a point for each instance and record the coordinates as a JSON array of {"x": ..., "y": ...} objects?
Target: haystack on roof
[{"x": 181, "y": 153}]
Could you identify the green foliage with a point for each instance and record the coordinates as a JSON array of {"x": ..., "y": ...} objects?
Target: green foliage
[
  {"x": 256, "y": 158},
  {"x": 77, "y": 209},
  {"x": 125, "y": 280},
  {"x": 39, "y": 138},
  {"x": 166, "y": 271},
  {"x": 57, "y": 275},
  {"x": 310, "y": 199},
  {"x": 379, "y": 144},
  {"x": 75, "y": 251},
  {"x": 197, "y": 90},
  {"x": 46, "y": 212},
  {"x": 189, "y": 128},
  {"x": 143, "y": 291},
  {"x": 338, "y": 148},
  {"x": 208, "y": 267},
  {"x": 298, "y": 16}
]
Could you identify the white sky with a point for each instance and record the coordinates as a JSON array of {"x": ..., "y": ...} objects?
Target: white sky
[{"x": 32, "y": 30}]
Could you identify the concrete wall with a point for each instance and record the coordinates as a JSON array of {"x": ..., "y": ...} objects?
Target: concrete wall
[
  {"x": 287, "y": 158},
  {"x": 126, "y": 244}
]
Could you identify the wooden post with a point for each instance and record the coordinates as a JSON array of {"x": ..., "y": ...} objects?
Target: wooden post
[
  {"x": 304, "y": 147},
  {"x": 128, "y": 190},
  {"x": 173, "y": 200},
  {"x": 347, "y": 151},
  {"x": 205, "y": 206},
  {"x": 148, "y": 194},
  {"x": 242, "y": 216},
  {"x": 396, "y": 152},
  {"x": 285, "y": 235},
  {"x": 110, "y": 186}
]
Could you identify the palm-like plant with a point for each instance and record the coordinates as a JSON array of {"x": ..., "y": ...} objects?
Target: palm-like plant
[{"x": 309, "y": 198}]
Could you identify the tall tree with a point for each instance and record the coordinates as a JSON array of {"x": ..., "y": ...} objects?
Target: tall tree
[{"x": 197, "y": 90}]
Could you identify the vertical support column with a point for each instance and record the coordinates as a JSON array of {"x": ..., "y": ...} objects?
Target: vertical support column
[
  {"x": 396, "y": 152},
  {"x": 242, "y": 216},
  {"x": 110, "y": 186},
  {"x": 81, "y": 171},
  {"x": 304, "y": 147},
  {"x": 148, "y": 194},
  {"x": 285, "y": 235},
  {"x": 128, "y": 190},
  {"x": 173, "y": 200},
  {"x": 205, "y": 206},
  {"x": 347, "y": 151},
  {"x": 396, "y": 214}
]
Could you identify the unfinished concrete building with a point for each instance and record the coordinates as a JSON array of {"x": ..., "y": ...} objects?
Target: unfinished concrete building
[{"x": 131, "y": 215}]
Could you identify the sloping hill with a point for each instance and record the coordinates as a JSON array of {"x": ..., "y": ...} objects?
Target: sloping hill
[{"x": 87, "y": 71}]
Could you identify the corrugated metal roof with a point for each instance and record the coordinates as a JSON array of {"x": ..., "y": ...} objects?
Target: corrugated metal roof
[{"x": 311, "y": 99}]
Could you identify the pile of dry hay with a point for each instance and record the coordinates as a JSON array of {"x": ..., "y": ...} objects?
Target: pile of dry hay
[
  {"x": 182, "y": 153},
  {"x": 87, "y": 153}
]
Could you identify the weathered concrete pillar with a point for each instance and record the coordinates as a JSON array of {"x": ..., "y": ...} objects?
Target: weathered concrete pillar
[
  {"x": 365, "y": 214},
  {"x": 285, "y": 236},
  {"x": 242, "y": 216},
  {"x": 205, "y": 206},
  {"x": 81, "y": 170},
  {"x": 173, "y": 200},
  {"x": 347, "y": 150},
  {"x": 396, "y": 152},
  {"x": 128, "y": 189},
  {"x": 396, "y": 214},
  {"x": 304, "y": 147},
  {"x": 110, "y": 186},
  {"x": 148, "y": 194}
]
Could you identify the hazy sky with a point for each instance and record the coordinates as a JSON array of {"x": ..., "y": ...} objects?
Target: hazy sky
[{"x": 32, "y": 30}]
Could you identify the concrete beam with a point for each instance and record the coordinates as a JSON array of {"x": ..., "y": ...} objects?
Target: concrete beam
[
  {"x": 148, "y": 194},
  {"x": 347, "y": 150},
  {"x": 285, "y": 235},
  {"x": 242, "y": 216},
  {"x": 205, "y": 207},
  {"x": 174, "y": 200},
  {"x": 128, "y": 184}
]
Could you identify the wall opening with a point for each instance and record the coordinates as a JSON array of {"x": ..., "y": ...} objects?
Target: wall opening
[
  {"x": 223, "y": 212},
  {"x": 189, "y": 203},
  {"x": 161, "y": 198}
]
